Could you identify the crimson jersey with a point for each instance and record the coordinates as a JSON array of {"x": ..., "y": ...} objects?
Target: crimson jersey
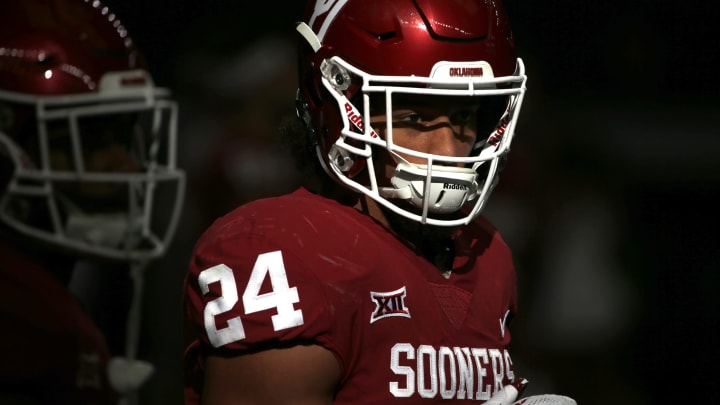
[
  {"x": 400, "y": 330},
  {"x": 50, "y": 348}
]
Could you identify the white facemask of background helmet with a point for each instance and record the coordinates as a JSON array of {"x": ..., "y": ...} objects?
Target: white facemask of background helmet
[{"x": 80, "y": 73}]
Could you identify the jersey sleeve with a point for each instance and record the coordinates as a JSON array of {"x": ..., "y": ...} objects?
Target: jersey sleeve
[{"x": 245, "y": 291}]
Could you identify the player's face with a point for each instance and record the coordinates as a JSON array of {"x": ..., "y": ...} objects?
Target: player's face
[
  {"x": 439, "y": 125},
  {"x": 105, "y": 149}
]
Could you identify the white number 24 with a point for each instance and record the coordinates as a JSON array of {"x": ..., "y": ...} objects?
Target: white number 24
[{"x": 282, "y": 298}]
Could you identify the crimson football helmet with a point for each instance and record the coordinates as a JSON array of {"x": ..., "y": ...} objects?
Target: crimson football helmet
[
  {"x": 72, "y": 83},
  {"x": 357, "y": 56}
]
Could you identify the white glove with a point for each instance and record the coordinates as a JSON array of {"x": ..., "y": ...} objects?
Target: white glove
[{"x": 508, "y": 394}]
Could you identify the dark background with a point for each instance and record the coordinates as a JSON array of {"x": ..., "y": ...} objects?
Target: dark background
[{"x": 609, "y": 201}]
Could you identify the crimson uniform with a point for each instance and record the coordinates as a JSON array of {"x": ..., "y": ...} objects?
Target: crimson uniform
[
  {"x": 49, "y": 346},
  {"x": 399, "y": 329}
]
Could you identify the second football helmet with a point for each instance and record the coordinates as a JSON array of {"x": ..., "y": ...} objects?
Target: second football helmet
[
  {"x": 72, "y": 83},
  {"x": 359, "y": 56}
]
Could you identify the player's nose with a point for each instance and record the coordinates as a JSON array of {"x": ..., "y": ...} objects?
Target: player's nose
[{"x": 445, "y": 139}]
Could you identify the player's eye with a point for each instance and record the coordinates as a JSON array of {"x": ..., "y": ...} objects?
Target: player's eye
[{"x": 407, "y": 118}]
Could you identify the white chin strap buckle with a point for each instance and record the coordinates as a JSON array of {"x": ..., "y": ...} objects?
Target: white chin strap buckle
[{"x": 450, "y": 187}]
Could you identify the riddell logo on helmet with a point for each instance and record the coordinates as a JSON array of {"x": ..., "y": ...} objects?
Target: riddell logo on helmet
[
  {"x": 465, "y": 71},
  {"x": 451, "y": 186},
  {"x": 496, "y": 137},
  {"x": 355, "y": 117}
]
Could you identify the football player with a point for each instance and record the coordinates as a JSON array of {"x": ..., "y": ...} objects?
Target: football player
[
  {"x": 378, "y": 281},
  {"x": 87, "y": 148}
]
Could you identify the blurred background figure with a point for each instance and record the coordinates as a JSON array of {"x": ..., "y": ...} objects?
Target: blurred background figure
[
  {"x": 90, "y": 193},
  {"x": 232, "y": 71}
]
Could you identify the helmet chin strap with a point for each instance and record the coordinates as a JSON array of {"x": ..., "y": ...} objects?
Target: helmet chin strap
[
  {"x": 449, "y": 187},
  {"x": 128, "y": 373}
]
